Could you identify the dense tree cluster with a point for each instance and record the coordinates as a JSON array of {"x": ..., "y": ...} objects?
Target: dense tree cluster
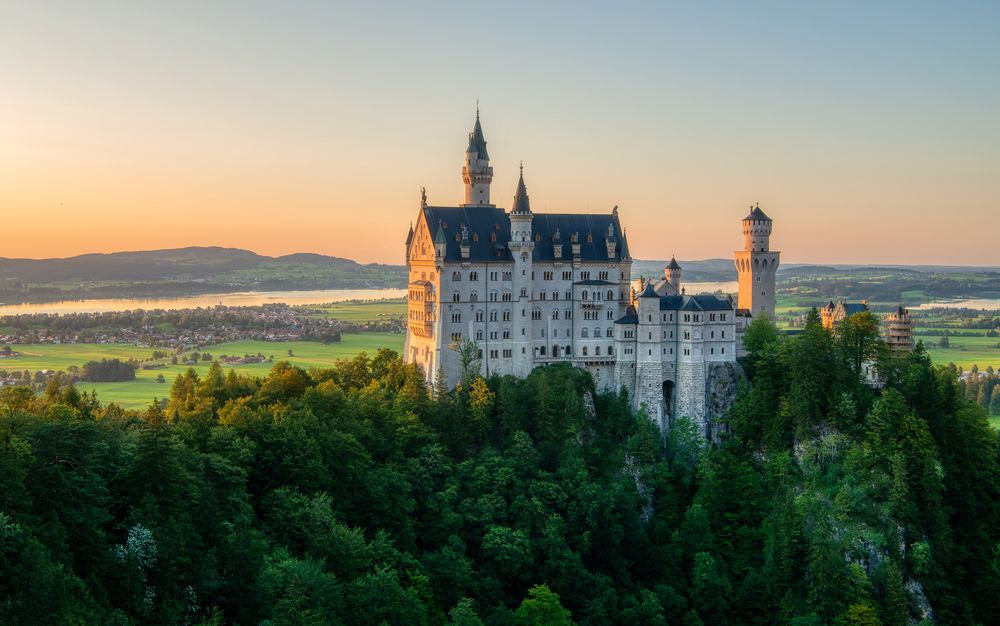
[
  {"x": 356, "y": 495},
  {"x": 981, "y": 387},
  {"x": 885, "y": 284},
  {"x": 109, "y": 370}
]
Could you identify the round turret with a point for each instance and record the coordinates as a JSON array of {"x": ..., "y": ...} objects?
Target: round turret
[
  {"x": 756, "y": 230},
  {"x": 477, "y": 173},
  {"x": 672, "y": 272}
]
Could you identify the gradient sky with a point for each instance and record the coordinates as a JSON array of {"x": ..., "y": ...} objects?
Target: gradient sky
[{"x": 870, "y": 132}]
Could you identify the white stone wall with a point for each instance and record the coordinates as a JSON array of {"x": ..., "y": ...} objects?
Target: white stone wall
[
  {"x": 677, "y": 346},
  {"x": 483, "y": 302}
]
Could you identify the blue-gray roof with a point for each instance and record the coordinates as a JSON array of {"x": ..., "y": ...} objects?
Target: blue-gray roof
[
  {"x": 476, "y": 140},
  {"x": 521, "y": 203},
  {"x": 484, "y": 221},
  {"x": 756, "y": 215},
  {"x": 700, "y": 302},
  {"x": 649, "y": 292},
  {"x": 850, "y": 308},
  {"x": 630, "y": 317}
]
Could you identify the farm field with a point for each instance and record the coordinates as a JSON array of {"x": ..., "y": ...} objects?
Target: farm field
[
  {"x": 138, "y": 393},
  {"x": 363, "y": 311},
  {"x": 965, "y": 351}
]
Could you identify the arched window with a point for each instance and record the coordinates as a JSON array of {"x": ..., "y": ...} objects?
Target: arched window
[
  {"x": 568, "y": 351},
  {"x": 611, "y": 351},
  {"x": 584, "y": 332},
  {"x": 611, "y": 332},
  {"x": 455, "y": 297},
  {"x": 473, "y": 297},
  {"x": 555, "y": 351},
  {"x": 584, "y": 295},
  {"x": 597, "y": 351},
  {"x": 597, "y": 333},
  {"x": 456, "y": 276},
  {"x": 542, "y": 350},
  {"x": 585, "y": 351},
  {"x": 611, "y": 295}
]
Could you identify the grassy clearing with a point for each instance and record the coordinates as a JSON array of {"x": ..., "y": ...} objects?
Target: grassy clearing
[
  {"x": 965, "y": 351},
  {"x": 139, "y": 393}
]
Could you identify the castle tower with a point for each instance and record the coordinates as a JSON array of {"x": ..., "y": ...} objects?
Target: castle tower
[
  {"x": 672, "y": 272},
  {"x": 756, "y": 265},
  {"x": 897, "y": 330},
  {"x": 522, "y": 246},
  {"x": 648, "y": 362},
  {"x": 477, "y": 173}
]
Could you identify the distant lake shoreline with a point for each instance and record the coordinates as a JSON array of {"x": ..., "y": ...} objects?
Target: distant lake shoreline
[
  {"x": 987, "y": 304},
  {"x": 249, "y": 298},
  {"x": 240, "y": 298}
]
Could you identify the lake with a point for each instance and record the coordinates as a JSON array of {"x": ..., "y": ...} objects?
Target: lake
[
  {"x": 253, "y": 298},
  {"x": 727, "y": 286},
  {"x": 969, "y": 303},
  {"x": 242, "y": 298}
]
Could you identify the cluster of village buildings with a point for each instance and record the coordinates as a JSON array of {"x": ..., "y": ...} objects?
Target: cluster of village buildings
[{"x": 179, "y": 330}]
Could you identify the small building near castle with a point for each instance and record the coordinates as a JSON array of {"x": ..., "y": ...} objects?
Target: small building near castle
[
  {"x": 832, "y": 314},
  {"x": 897, "y": 330}
]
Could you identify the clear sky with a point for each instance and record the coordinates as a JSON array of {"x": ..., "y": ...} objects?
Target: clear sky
[{"x": 869, "y": 131}]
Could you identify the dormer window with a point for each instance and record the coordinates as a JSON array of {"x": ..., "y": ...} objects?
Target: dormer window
[
  {"x": 493, "y": 237},
  {"x": 475, "y": 236}
]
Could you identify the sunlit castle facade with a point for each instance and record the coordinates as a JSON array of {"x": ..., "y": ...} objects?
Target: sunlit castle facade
[{"x": 530, "y": 289}]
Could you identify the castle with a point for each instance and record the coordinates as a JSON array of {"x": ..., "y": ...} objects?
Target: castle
[{"x": 526, "y": 289}]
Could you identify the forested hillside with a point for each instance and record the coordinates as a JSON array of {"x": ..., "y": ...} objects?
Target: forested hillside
[
  {"x": 355, "y": 495},
  {"x": 184, "y": 271}
]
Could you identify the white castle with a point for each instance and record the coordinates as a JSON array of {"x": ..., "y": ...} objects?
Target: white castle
[{"x": 531, "y": 289}]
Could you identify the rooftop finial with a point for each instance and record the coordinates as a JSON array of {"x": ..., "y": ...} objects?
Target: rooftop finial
[
  {"x": 522, "y": 169},
  {"x": 423, "y": 196},
  {"x": 477, "y": 108}
]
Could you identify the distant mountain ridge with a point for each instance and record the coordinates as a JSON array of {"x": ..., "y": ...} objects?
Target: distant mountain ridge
[
  {"x": 196, "y": 262},
  {"x": 185, "y": 271},
  {"x": 724, "y": 270}
]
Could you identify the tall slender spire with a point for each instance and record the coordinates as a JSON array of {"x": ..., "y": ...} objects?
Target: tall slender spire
[
  {"x": 521, "y": 204},
  {"x": 477, "y": 140},
  {"x": 477, "y": 173}
]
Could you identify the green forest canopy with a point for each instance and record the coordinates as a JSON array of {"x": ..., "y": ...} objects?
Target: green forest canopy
[{"x": 356, "y": 495}]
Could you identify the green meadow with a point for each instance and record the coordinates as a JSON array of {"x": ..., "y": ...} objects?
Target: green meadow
[
  {"x": 363, "y": 311},
  {"x": 965, "y": 351},
  {"x": 139, "y": 393}
]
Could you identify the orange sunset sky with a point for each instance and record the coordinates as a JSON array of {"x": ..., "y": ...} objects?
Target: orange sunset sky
[{"x": 869, "y": 134}]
